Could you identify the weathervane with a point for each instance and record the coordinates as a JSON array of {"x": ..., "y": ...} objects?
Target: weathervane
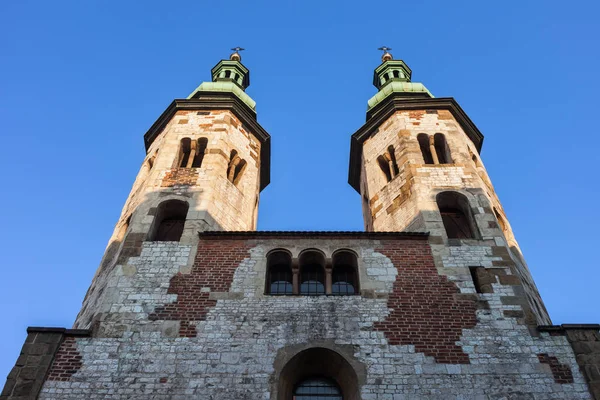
[
  {"x": 387, "y": 56},
  {"x": 236, "y": 54}
]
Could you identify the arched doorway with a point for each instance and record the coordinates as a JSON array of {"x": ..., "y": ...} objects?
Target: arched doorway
[{"x": 319, "y": 372}]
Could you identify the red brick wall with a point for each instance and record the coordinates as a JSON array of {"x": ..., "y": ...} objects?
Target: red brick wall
[
  {"x": 425, "y": 312},
  {"x": 180, "y": 176},
  {"x": 214, "y": 266},
  {"x": 67, "y": 361}
]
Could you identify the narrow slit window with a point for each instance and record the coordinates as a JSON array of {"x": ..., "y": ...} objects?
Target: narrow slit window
[
  {"x": 441, "y": 148},
  {"x": 423, "y": 140},
  {"x": 236, "y": 167}
]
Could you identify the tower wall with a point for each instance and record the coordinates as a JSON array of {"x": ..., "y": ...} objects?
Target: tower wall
[
  {"x": 215, "y": 203},
  {"x": 408, "y": 201}
]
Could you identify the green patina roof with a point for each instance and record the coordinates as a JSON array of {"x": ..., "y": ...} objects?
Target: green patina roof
[
  {"x": 228, "y": 76},
  {"x": 393, "y": 76},
  {"x": 224, "y": 86},
  {"x": 399, "y": 87}
]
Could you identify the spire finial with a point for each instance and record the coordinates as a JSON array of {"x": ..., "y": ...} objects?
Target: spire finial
[
  {"x": 235, "y": 56},
  {"x": 387, "y": 56}
]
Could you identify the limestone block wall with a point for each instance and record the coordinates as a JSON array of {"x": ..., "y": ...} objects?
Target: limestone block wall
[
  {"x": 408, "y": 201},
  {"x": 214, "y": 202},
  {"x": 212, "y": 332}
]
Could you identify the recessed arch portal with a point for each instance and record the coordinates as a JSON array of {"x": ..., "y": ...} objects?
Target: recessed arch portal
[{"x": 318, "y": 366}]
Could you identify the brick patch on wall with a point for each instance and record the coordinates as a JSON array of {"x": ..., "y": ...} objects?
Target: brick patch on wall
[
  {"x": 561, "y": 372},
  {"x": 66, "y": 362},
  {"x": 180, "y": 176},
  {"x": 214, "y": 266},
  {"x": 425, "y": 312}
]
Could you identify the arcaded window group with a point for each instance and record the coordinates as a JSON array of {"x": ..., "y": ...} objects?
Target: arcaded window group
[
  {"x": 434, "y": 150},
  {"x": 311, "y": 274},
  {"x": 191, "y": 155}
]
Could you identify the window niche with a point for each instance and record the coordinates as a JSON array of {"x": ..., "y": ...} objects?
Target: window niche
[
  {"x": 388, "y": 164},
  {"x": 457, "y": 216},
  {"x": 279, "y": 270},
  {"x": 312, "y": 273},
  {"x": 191, "y": 152},
  {"x": 344, "y": 275},
  {"x": 435, "y": 149},
  {"x": 169, "y": 221},
  {"x": 235, "y": 167}
]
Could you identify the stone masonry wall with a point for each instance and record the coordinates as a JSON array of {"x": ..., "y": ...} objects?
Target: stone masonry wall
[
  {"x": 138, "y": 351},
  {"x": 215, "y": 203},
  {"x": 408, "y": 202}
]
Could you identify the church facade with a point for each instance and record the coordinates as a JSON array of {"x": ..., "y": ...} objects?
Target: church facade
[{"x": 433, "y": 300}]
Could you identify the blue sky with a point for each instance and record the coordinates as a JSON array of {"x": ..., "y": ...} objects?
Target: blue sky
[{"x": 82, "y": 81}]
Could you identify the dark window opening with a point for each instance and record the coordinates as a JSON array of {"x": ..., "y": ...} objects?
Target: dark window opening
[
  {"x": 501, "y": 222},
  {"x": 192, "y": 152},
  {"x": 441, "y": 148},
  {"x": 312, "y": 280},
  {"x": 169, "y": 221},
  {"x": 425, "y": 149},
  {"x": 279, "y": 266},
  {"x": 344, "y": 280},
  {"x": 236, "y": 167},
  {"x": 237, "y": 77},
  {"x": 392, "y": 161},
  {"x": 317, "y": 388},
  {"x": 396, "y": 74},
  {"x": 281, "y": 280},
  {"x": 227, "y": 74},
  {"x": 385, "y": 168},
  {"x": 475, "y": 276},
  {"x": 456, "y": 215}
]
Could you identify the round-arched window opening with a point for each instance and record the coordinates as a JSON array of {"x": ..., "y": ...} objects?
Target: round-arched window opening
[{"x": 317, "y": 388}]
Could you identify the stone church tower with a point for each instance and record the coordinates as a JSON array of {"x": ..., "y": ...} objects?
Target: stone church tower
[{"x": 433, "y": 300}]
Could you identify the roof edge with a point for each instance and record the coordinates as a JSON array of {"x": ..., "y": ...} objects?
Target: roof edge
[{"x": 349, "y": 234}]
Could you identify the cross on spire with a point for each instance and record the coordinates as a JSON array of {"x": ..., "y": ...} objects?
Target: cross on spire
[
  {"x": 236, "y": 54},
  {"x": 387, "y": 56}
]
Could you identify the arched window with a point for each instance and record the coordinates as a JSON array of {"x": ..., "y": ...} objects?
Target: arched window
[
  {"x": 236, "y": 167},
  {"x": 396, "y": 74},
  {"x": 192, "y": 152},
  {"x": 387, "y": 163},
  {"x": 425, "y": 148},
  {"x": 441, "y": 148},
  {"x": 169, "y": 221},
  {"x": 344, "y": 275},
  {"x": 279, "y": 267},
  {"x": 456, "y": 215},
  {"x": 317, "y": 388},
  {"x": 385, "y": 168},
  {"x": 312, "y": 273}
]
